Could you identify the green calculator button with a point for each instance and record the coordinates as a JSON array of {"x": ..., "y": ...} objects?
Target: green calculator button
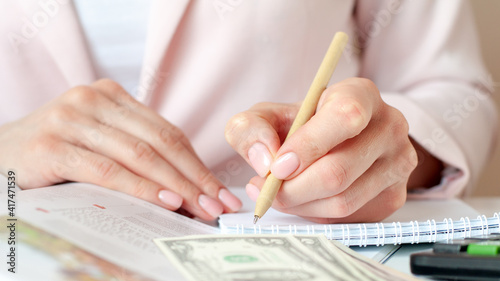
[{"x": 485, "y": 249}]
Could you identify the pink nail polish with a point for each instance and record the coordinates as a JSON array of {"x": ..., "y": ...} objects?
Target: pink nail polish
[
  {"x": 170, "y": 198},
  {"x": 210, "y": 206},
  {"x": 231, "y": 201},
  {"x": 285, "y": 165},
  {"x": 260, "y": 158}
]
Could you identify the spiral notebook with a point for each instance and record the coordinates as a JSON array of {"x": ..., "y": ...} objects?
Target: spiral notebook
[{"x": 419, "y": 221}]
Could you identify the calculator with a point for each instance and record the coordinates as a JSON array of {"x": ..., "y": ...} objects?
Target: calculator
[{"x": 475, "y": 258}]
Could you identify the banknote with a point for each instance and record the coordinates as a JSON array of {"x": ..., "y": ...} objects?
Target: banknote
[
  {"x": 337, "y": 258},
  {"x": 248, "y": 257},
  {"x": 357, "y": 266},
  {"x": 271, "y": 257}
]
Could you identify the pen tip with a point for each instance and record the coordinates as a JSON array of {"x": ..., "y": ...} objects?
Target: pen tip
[{"x": 255, "y": 219}]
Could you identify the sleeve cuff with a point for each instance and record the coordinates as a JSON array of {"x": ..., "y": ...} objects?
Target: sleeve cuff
[{"x": 439, "y": 142}]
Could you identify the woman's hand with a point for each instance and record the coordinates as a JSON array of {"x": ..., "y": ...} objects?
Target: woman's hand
[
  {"x": 350, "y": 162},
  {"x": 99, "y": 134}
]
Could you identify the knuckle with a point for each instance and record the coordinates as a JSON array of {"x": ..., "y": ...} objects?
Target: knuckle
[
  {"x": 404, "y": 157},
  {"x": 262, "y": 105},
  {"x": 143, "y": 151},
  {"x": 105, "y": 169},
  {"x": 207, "y": 180},
  {"x": 45, "y": 145},
  {"x": 335, "y": 174},
  {"x": 211, "y": 189},
  {"x": 107, "y": 83},
  {"x": 82, "y": 95},
  {"x": 184, "y": 186},
  {"x": 399, "y": 127},
  {"x": 409, "y": 161},
  {"x": 59, "y": 167},
  {"x": 356, "y": 84},
  {"x": 308, "y": 144},
  {"x": 367, "y": 83},
  {"x": 342, "y": 207},
  {"x": 171, "y": 137},
  {"x": 141, "y": 188},
  {"x": 58, "y": 172},
  {"x": 238, "y": 123},
  {"x": 61, "y": 113},
  {"x": 396, "y": 197},
  {"x": 353, "y": 115}
]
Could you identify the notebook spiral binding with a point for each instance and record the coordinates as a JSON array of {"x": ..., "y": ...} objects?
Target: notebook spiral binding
[{"x": 379, "y": 234}]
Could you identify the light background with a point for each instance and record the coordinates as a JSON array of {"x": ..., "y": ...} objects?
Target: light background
[{"x": 487, "y": 13}]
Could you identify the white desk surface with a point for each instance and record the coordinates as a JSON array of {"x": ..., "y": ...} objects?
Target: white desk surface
[{"x": 401, "y": 259}]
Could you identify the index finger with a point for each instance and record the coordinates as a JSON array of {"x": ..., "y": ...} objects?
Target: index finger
[
  {"x": 165, "y": 146},
  {"x": 344, "y": 111}
]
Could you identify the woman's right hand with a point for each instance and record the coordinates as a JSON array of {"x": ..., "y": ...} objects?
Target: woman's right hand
[{"x": 100, "y": 134}]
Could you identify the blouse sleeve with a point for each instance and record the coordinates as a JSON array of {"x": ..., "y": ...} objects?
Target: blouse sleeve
[{"x": 425, "y": 58}]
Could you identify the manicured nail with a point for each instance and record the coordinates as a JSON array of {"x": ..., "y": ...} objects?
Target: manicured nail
[
  {"x": 252, "y": 191},
  {"x": 170, "y": 198},
  {"x": 231, "y": 201},
  {"x": 210, "y": 206},
  {"x": 285, "y": 165},
  {"x": 260, "y": 158}
]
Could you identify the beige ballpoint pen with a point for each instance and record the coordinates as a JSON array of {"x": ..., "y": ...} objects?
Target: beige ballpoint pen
[{"x": 306, "y": 111}]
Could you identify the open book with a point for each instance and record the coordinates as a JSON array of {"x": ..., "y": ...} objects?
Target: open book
[
  {"x": 115, "y": 232},
  {"x": 85, "y": 232}
]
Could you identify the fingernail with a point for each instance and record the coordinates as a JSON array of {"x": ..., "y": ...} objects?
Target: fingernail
[
  {"x": 170, "y": 198},
  {"x": 231, "y": 201},
  {"x": 252, "y": 191},
  {"x": 285, "y": 165},
  {"x": 210, "y": 206},
  {"x": 260, "y": 158}
]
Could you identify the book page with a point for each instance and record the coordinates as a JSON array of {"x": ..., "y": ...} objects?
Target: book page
[{"x": 112, "y": 225}]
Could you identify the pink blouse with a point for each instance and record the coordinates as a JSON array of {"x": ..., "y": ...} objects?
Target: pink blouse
[{"x": 208, "y": 60}]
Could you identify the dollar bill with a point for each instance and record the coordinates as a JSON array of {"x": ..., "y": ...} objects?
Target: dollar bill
[
  {"x": 270, "y": 257},
  {"x": 337, "y": 258},
  {"x": 249, "y": 257},
  {"x": 356, "y": 265}
]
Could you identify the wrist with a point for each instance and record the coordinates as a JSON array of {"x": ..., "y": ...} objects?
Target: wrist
[{"x": 428, "y": 171}]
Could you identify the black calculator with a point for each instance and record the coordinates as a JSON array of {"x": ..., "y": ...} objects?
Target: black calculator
[{"x": 475, "y": 258}]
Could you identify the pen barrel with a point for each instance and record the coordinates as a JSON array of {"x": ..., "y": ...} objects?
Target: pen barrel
[
  {"x": 267, "y": 195},
  {"x": 306, "y": 111},
  {"x": 320, "y": 82}
]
